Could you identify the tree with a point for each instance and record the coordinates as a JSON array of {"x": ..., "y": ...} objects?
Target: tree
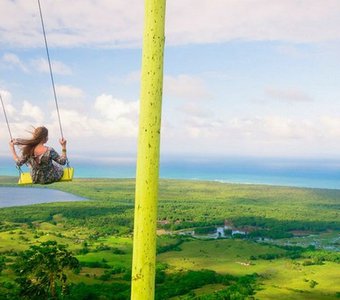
[
  {"x": 41, "y": 270},
  {"x": 313, "y": 283},
  {"x": 2, "y": 263}
]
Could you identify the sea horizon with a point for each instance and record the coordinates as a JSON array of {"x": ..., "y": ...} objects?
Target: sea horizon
[{"x": 309, "y": 173}]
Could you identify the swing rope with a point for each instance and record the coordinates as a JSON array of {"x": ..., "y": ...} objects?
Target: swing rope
[
  {"x": 3, "y": 108},
  {"x": 9, "y": 129},
  {"x": 70, "y": 172},
  {"x": 50, "y": 68}
]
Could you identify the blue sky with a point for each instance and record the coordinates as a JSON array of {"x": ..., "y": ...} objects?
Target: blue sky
[{"x": 241, "y": 78}]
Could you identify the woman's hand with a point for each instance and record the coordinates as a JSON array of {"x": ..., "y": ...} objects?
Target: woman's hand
[
  {"x": 63, "y": 143},
  {"x": 11, "y": 144}
]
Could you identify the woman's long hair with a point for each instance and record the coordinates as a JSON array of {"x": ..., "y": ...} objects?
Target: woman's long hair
[{"x": 40, "y": 134}]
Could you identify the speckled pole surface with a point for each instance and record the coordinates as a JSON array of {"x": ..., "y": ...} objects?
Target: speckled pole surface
[{"x": 145, "y": 221}]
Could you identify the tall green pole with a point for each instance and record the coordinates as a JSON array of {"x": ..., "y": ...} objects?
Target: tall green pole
[{"x": 147, "y": 175}]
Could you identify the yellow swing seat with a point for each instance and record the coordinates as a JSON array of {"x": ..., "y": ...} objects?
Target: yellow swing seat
[{"x": 26, "y": 178}]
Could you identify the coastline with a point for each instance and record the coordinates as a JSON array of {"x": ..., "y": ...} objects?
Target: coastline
[{"x": 321, "y": 174}]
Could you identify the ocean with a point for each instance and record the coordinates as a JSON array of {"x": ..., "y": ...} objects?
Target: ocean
[{"x": 313, "y": 173}]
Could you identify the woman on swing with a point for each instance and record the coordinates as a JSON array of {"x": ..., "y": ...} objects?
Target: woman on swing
[{"x": 45, "y": 162}]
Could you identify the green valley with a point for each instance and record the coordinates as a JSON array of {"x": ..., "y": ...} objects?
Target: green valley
[{"x": 289, "y": 246}]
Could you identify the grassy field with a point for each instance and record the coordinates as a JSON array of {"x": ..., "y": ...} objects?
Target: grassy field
[
  {"x": 279, "y": 277},
  {"x": 99, "y": 232}
]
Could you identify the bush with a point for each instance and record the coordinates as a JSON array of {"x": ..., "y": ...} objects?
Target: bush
[
  {"x": 312, "y": 283},
  {"x": 205, "y": 230},
  {"x": 182, "y": 283},
  {"x": 106, "y": 276},
  {"x": 113, "y": 291},
  {"x": 94, "y": 264},
  {"x": 118, "y": 251},
  {"x": 2, "y": 263}
]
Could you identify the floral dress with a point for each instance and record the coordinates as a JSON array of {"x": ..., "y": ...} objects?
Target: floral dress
[{"x": 45, "y": 168}]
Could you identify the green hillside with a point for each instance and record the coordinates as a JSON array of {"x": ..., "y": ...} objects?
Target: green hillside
[{"x": 290, "y": 249}]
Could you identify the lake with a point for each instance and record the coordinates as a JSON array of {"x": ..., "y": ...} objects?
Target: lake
[{"x": 17, "y": 196}]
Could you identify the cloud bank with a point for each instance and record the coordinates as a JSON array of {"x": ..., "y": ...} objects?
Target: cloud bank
[{"x": 91, "y": 23}]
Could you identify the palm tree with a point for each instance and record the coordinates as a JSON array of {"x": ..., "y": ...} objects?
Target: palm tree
[{"x": 41, "y": 269}]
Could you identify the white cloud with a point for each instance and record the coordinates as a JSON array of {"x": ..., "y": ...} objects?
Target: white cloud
[
  {"x": 118, "y": 23},
  {"x": 14, "y": 61},
  {"x": 32, "y": 112},
  {"x": 21, "y": 117},
  {"x": 290, "y": 95},
  {"x": 269, "y": 128},
  {"x": 58, "y": 67},
  {"x": 236, "y": 137},
  {"x": 7, "y": 100},
  {"x": 112, "y": 124},
  {"x": 195, "y": 110},
  {"x": 107, "y": 118},
  {"x": 74, "y": 124},
  {"x": 186, "y": 87},
  {"x": 203, "y": 21},
  {"x": 70, "y": 97},
  {"x": 261, "y": 135},
  {"x": 81, "y": 23},
  {"x": 182, "y": 86},
  {"x": 97, "y": 129},
  {"x": 69, "y": 92},
  {"x": 116, "y": 109},
  {"x": 197, "y": 127},
  {"x": 329, "y": 127}
]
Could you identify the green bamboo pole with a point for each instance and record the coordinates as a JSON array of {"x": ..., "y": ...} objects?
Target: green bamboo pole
[{"x": 147, "y": 175}]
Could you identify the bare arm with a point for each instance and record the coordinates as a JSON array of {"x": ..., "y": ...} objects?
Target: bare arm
[
  {"x": 19, "y": 160},
  {"x": 62, "y": 159},
  {"x": 63, "y": 147},
  {"x": 12, "y": 148}
]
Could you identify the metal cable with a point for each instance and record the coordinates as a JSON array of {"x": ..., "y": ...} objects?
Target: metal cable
[
  {"x": 50, "y": 67},
  {"x": 3, "y": 107}
]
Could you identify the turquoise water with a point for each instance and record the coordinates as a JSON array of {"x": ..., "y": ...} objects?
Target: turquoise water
[
  {"x": 317, "y": 173},
  {"x": 314, "y": 174}
]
